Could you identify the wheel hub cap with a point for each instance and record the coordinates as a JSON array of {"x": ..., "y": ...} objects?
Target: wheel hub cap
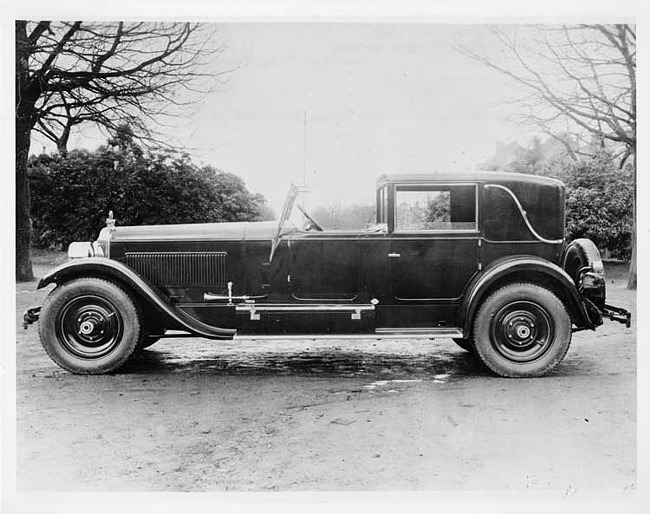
[
  {"x": 86, "y": 328},
  {"x": 522, "y": 331},
  {"x": 89, "y": 326}
]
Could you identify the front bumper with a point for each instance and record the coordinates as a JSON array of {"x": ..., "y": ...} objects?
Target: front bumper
[{"x": 31, "y": 316}]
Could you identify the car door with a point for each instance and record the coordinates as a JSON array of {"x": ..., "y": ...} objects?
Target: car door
[
  {"x": 324, "y": 266},
  {"x": 434, "y": 249}
]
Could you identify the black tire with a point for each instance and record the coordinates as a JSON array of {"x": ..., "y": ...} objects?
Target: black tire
[
  {"x": 522, "y": 330},
  {"x": 89, "y": 326},
  {"x": 465, "y": 344},
  {"x": 583, "y": 254}
]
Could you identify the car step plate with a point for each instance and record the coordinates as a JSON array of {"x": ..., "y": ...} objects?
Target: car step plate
[{"x": 254, "y": 309}]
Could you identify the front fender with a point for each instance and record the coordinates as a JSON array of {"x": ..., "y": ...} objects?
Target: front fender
[
  {"x": 523, "y": 269},
  {"x": 101, "y": 267}
]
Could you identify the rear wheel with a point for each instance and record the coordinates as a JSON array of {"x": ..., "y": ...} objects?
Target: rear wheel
[
  {"x": 522, "y": 330},
  {"x": 89, "y": 326}
]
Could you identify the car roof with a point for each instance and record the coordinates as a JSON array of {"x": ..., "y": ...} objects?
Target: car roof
[{"x": 474, "y": 176}]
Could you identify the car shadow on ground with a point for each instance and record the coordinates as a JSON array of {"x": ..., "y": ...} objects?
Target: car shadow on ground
[{"x": 320, "y": 362}]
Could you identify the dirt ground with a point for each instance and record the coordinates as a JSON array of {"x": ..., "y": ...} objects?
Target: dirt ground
[{"x": 408, "y": 415}]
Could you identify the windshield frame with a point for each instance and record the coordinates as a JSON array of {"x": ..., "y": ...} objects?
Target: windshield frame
[{"x": 289, "y": 202}]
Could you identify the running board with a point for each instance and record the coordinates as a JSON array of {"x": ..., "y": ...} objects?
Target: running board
[
  {"x": 430, "y": 333},
  {"x": 426, "y": 331}
]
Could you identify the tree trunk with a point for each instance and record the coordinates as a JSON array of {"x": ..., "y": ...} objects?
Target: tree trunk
[
  {"x": 25, "y": 120},
  {"x": 62, "y": 141},
  {"x": 631, "y": 279},
  {"x": 23, "y": 221}
]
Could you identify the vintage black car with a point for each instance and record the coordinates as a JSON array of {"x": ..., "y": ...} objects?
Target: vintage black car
[{"x": 479, "y": 258}]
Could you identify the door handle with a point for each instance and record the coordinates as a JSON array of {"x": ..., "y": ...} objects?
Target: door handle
[{"x": 394, "y": 255}]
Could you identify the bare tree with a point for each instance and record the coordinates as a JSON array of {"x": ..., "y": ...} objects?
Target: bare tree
[
  {"x": 106, "y": 74},
  {"x": 579, "y": 79}
]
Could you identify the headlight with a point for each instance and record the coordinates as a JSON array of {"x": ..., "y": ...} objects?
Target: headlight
[{"x": 79, "y": 250}]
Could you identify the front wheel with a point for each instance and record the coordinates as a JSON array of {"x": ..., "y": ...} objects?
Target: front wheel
[
  {"x": 522, "y": 330},
  {"x": 89, "y": 326}
]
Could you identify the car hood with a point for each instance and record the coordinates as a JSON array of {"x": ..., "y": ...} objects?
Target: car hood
[{"x": 237, "y": 231}]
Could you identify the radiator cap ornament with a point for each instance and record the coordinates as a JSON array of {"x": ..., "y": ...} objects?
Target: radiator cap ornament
[{"x": 110, "y": 221}]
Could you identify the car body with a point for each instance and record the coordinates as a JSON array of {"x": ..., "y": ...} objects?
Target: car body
[{"x": 477, "y": 257}]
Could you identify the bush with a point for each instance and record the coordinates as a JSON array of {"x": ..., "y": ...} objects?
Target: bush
[
  {"x": 599, "y": 194},
  {"x": 72, "y": 195},
  {"x": 598, "y": 203}
]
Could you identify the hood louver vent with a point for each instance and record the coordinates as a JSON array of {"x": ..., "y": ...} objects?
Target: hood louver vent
[{"x": 180, "y": 269}]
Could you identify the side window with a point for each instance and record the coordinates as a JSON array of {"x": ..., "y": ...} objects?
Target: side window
[{"x": 439, "y": 208}]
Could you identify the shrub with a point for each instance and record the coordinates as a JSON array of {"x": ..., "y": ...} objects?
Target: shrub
[
  {"x": 72, "y": 194},
  {"x": 598, "y": 202}
]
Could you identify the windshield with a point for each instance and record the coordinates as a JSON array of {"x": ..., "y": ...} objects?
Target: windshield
[
  {"x": 285, "y": 214},
  {"x": 294, "y": 217},
  {"x": 287, "y": 208}
]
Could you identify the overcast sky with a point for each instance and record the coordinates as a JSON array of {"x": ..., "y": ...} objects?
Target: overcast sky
[{"x": 378, "y": 98}]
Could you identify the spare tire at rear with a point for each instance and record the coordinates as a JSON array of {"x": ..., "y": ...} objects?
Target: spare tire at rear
[{"x": 583, "y": 264}]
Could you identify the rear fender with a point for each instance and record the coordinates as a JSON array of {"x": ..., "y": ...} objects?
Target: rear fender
[
  {"x": 100, "y": 267},
  {"x": 523, "y": 269}
]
